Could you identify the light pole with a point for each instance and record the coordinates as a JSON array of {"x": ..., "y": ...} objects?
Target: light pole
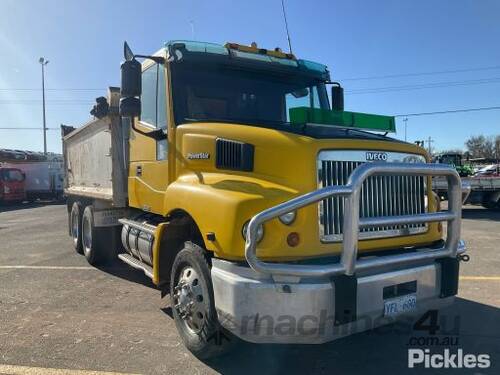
[
  {"x": 44, "y": 62},
  {"x": 406, "y": 127}
]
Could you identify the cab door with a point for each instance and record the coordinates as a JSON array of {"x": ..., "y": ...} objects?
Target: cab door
[{"x": 148, "y": 173}]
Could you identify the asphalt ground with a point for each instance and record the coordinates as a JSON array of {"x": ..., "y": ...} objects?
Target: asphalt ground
[{"x": 58, "y": 315}]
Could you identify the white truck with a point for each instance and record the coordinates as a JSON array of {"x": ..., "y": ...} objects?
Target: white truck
[
  {"x": 44, "y": 173},
  {"x": 44, "y": 179}
]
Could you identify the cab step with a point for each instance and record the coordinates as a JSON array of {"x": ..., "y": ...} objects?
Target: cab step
[{"x": 137, "y": 264}]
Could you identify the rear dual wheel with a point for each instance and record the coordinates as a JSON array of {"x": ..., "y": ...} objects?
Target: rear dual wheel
[
  {"x": 491, "y": 205},
  {"x": 75, "y": 226},
  {"x": 97, "y": 244}
]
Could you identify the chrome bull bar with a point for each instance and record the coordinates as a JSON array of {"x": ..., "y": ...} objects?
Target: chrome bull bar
[{"x": 349, "y": 263}]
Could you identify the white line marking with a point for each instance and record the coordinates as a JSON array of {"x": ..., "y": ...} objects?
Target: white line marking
[
  {"x": 27, "y": 370},
  {"x": 481, "y": 278},
  {"x": 47, "y": 268}
]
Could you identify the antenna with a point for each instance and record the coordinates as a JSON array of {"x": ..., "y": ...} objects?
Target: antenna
[
  {"x": 191, "y": 23},
  {"x": 286, "y": 26}
]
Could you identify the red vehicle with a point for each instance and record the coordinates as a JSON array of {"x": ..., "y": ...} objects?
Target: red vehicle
[{"x": 12, "y": 185}]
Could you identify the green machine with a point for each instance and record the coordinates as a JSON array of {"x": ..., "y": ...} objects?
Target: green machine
[{"x": 456, "y": 159}]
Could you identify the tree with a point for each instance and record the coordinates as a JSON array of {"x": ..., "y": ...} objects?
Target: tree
[
  {"x": 480, "y": 146},
  {"x": 452, "y": 151}
]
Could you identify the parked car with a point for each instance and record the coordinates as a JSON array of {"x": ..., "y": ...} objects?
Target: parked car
[{"x": 492, "y": 170}]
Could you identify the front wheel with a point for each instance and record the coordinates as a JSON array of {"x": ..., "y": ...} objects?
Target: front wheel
[{"x": 193, "y": 304}]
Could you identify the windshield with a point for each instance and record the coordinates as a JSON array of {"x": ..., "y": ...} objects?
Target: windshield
[
  {"x": 243, "y": 96},
  {"x": 11, "y": 175}
]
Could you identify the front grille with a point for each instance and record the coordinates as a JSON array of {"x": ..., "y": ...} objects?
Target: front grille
[{"x": 380, "y": 196}]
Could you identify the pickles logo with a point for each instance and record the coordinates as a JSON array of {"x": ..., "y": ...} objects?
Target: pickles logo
[
  {"x": 376, "y": 156},
  {"x": 448, "y": 359},
  {"x": 198, "y": 155}
]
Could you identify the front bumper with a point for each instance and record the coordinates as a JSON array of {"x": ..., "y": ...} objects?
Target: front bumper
[{"x": 259, "y": 309}]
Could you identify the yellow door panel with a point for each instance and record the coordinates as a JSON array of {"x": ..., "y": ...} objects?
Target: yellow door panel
[
  {"x": 141, "y": 147},
  {"x": 148, "y": 181}
]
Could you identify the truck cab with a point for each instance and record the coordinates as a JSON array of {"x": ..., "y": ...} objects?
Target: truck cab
[
  {"x": 11, "y": 185},
  {"x": 226, "y": 174}
]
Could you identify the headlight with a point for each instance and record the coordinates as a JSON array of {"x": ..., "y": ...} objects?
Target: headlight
[
  {"x": 260, "y": 232},
  {"x": 6, "y": 189},
  {"x": 288, "y": 218}
]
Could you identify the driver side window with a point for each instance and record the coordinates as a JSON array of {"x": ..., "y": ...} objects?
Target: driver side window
[{"x": 154, "y": 103}]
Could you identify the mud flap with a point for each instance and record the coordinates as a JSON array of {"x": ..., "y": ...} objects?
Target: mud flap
[
  {"x": 346, "y": 293},
  {"x": 449, "y": 276}
]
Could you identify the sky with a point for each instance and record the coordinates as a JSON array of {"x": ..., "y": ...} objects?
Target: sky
[{"x": 83, "y": 41}]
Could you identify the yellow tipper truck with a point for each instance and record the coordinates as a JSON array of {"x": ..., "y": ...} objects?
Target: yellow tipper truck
[{"x": 265, "y": 210}]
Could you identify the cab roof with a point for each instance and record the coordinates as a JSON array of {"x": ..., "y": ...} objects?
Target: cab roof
[{"x": 276, "y": 57}]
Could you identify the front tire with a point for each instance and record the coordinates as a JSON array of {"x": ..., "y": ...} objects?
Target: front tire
[{"x": 193, "y": 304}]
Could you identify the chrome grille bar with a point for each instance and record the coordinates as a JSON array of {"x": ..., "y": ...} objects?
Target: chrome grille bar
[{"x": 379, "y": 196}]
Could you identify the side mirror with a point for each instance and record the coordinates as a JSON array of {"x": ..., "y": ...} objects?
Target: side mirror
[
  {"x": 131, "y": 84},
  {"x": 131, "y": 88},
  {"x": 130, "y": 106},
  {"x": 337, "y": 97}
]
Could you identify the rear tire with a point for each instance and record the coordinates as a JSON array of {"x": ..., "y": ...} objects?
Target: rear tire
[
  {"x": 491, "y": 205},
  {"x": 96, "y": 242},
  {"x": 75, "y": 226},
  {"x": 193, "y": 304}
]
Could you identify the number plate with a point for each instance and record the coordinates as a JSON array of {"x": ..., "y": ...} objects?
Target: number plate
[{"x": 400, "y": 305}]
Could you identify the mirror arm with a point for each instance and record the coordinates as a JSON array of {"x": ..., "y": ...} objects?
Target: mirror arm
[
  {"x": 157, "y": 134},
  {"x": 129, "y": 55},
  {"x": 156, "y": 59},
  {"x": 333, "y": 83}
]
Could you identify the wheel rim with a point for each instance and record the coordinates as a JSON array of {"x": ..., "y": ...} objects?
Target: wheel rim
[
  {"x": 74, "y": 226},
  {"x": 86, "y": 235},
  {"x": 190, "y": 300}
]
